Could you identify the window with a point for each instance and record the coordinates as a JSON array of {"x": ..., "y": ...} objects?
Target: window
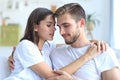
[{"x": 115, "y": 40}]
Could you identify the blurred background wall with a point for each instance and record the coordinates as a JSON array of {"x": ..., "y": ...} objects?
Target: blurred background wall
[{"x": 17, "y": 12}]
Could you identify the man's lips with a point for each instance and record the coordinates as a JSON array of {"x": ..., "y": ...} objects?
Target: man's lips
[{"x": 64, "y": 36}]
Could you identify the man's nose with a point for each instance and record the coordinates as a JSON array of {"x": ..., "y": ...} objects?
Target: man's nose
[{"x": 62, "y": 31}]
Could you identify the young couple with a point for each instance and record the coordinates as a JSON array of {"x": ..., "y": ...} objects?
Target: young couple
[{"x": 35, "y": 59}]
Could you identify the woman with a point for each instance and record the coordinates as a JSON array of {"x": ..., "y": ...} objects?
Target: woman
[{"x": 31, "y": 58}]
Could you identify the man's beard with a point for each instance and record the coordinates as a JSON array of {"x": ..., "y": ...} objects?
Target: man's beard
[{"x": 73, "y": 39}]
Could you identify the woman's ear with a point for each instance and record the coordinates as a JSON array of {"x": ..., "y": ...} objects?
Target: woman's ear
[{"x": 36, "y": 28}]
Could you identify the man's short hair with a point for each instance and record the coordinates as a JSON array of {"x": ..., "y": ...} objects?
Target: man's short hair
[{"x": 74, "y": 9}]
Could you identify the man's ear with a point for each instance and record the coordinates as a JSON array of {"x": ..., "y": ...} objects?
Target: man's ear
[
  {"x": 36, "y": 28},
  {"x": 82, "y": 22}
]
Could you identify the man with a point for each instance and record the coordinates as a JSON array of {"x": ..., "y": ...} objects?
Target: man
[{"x": 71, "y": 22}]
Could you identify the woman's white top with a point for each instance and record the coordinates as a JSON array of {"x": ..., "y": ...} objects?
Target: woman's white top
[{"x": 26, "y": 55}]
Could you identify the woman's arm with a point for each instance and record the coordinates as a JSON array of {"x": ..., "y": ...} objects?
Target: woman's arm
[
  {"x": 73, "y": 67},
  {"x": 91, "y": 53},
  {"x": 46, "y": 70},
  {"x": 62, "y": 76},
  {"x": 103, "y": 45},
  {"x": 43, "y": 70}
]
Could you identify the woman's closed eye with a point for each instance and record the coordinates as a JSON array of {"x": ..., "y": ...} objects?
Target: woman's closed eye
[{"x": 48, "y": 25}]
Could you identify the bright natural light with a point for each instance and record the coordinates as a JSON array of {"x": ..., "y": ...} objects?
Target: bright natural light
[{"x": 116, "y": 24}]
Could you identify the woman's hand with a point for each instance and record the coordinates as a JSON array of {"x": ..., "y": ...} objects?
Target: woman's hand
[
  {"x": 62, "y": 76},
  {"x": 102, "y": 46},
  {"x": 92, "y": 51},
  {"x": 11, "y": 60},
  {"x": 11, "y": 63}
]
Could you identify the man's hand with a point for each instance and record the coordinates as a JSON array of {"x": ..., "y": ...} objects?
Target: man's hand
[{"x": 62, "y": 76}]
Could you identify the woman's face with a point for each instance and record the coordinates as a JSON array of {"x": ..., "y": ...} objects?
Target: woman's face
[{"x": 46, "y": 28}]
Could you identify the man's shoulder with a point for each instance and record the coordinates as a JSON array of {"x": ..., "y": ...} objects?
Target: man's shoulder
[
  {"x": 108, "y": 54},
  {"x": 109, "y": 51}
]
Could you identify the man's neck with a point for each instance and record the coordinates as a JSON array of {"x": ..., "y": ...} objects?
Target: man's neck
[{"x": 81, "y": 42}]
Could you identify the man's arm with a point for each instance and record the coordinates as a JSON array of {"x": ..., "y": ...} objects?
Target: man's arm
[{"x": 112, "y": 74}]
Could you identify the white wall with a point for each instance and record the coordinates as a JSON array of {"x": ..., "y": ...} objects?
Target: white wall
[{"x": 20, "y": 15}]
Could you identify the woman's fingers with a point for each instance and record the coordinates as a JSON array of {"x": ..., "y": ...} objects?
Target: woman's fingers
[{"x": 11, "y": 62}]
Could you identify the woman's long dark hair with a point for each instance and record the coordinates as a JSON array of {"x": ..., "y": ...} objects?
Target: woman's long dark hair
[{"x": 35, "y": 17}]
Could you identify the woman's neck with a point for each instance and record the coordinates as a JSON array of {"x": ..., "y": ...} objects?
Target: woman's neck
[{"x": 40, "y": 44}]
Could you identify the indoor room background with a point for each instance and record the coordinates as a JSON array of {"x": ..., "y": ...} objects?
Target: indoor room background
[{"x": 14, "y": 14}]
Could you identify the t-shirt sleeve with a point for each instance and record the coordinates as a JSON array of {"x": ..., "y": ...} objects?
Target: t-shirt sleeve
[
  {"x": 106, "y": 61},
  {"x": 28, "y": 54}
]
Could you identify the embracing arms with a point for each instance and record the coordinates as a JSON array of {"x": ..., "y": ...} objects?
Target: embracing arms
[{"x": 45, "y": 71}]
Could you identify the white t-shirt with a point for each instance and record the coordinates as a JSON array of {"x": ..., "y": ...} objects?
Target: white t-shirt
[
  {"x": 26, "y": 55},
  {"x": 92, "y": 70}
]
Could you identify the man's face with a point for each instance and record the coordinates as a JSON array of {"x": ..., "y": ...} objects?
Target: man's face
[{"x": 69, "y": 28}]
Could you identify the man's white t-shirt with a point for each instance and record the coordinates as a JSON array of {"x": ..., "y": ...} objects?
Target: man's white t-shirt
[
  {"x": 92, "y": 70},
  {"x": 26, "y": 55}
]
